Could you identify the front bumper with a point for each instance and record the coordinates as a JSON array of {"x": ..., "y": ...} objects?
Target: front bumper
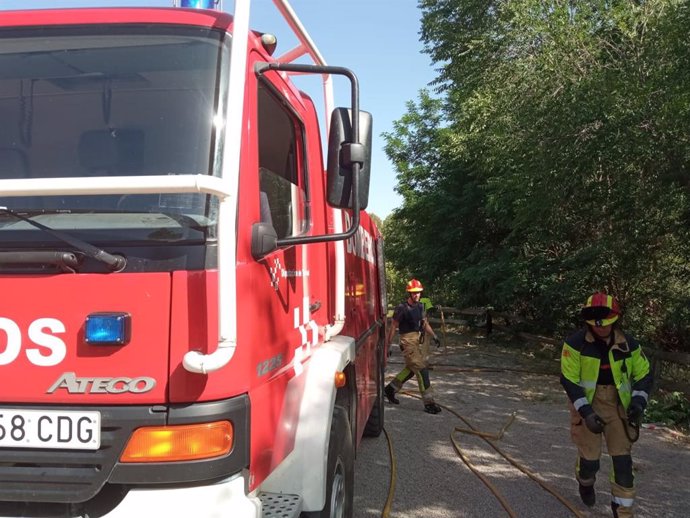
[{"x": 64, "y": 483}]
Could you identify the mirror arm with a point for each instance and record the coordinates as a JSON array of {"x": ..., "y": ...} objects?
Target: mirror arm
[{"x": 352, "y": 151}]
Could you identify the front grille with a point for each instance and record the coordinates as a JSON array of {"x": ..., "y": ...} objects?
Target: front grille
[{"x": 48, "y": 475}]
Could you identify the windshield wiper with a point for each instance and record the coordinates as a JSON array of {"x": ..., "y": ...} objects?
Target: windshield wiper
[
  {"x": 115, "y": 263},
  {"x": 67, "y": 261}
]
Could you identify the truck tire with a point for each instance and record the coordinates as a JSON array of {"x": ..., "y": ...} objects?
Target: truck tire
[
  {"x": 340, "y": 474},
  {"x": 374, "y": 425}
]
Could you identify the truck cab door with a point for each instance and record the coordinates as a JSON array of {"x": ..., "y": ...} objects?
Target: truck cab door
[
  {"x": 275, "y": 335},
  {"x": 283, "y": 199}
]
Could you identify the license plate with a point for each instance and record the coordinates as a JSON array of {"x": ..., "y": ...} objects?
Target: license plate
[{"x": 65, "y": 429}]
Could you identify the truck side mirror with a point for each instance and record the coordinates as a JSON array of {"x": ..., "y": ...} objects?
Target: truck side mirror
[
  {"x": 264, "y": 240},
  {"x": 342, "y": 153}
]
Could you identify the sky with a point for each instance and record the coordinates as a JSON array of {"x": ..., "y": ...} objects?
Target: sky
[{"x": 377, "y": 39}]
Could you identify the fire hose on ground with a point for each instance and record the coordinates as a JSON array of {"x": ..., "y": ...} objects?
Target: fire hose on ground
[{"x": 489, "y": 438}]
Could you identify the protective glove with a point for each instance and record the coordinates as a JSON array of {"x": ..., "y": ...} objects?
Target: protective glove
[
  {"x": 635, "y": 412},
  {"x": 594, "y": 423},
  {"x": 437, "y": 342}
]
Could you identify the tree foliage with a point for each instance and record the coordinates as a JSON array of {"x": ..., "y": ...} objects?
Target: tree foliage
[{"x": 553, "y": 161}]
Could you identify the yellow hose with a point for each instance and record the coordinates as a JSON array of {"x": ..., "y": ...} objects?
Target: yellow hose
[
  {"x": 545, "y": 485},
  {"x": 394, "y": 475},
  {"x": 483, "y": 478},
  {"x": 495, "y": 436},
  {"x": 486, "y": 436}
]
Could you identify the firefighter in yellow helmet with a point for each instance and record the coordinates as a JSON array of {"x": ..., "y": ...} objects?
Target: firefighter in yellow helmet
[
  {"x": 607, "y": 378},
  {"x": 409, "y": 318}
]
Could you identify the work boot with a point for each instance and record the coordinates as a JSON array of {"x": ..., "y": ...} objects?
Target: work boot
[
  {"x": 588, "y": 495},
  {"x": 432, "y": 408},
  {"x": 390, "y": 395},
  {"x": 620, "y": 511}
]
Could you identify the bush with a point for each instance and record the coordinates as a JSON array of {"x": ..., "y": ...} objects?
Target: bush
[{"x": 670, "y": 409}]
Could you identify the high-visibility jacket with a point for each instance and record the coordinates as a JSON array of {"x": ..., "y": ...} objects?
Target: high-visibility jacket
[{"x": 580, "y": 360}]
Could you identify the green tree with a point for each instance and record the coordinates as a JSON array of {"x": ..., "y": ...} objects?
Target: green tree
[{"x": 555, "y": 162}]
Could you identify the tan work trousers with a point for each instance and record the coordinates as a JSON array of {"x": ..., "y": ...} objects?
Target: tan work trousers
[
  {"x": 414, "y": 353},
  {"x": 607, "y": 405},
  {"x": 416, "y": 357}
]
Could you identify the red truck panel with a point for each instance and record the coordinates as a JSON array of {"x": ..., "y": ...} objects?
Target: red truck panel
[{"x": 42, "y": 337}]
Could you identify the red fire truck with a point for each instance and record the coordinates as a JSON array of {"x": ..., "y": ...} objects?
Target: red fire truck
[{"x": 192, "y": 309}]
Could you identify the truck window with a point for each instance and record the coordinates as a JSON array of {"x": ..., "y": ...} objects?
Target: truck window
[
  {"x": 282, "y": 184},
  {"x": 118, "y": 100}
]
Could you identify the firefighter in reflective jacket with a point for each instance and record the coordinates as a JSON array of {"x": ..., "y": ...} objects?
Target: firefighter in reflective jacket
[
  {"x": 607, "y": 378},
  {"x": 410, "y": 319}
]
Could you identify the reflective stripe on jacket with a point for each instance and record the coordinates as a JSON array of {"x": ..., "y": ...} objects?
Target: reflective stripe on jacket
[{"x": 580, "y": 360}]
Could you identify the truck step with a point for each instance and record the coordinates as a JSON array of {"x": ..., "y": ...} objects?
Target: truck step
[{"x": 279, "y": 505}]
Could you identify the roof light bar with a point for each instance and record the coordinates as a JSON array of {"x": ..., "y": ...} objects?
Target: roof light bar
[{"x": 199, "y": 4}]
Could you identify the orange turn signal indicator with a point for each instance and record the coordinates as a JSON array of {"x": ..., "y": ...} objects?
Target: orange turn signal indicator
[
  {"x": 340, "y": 379},
  {"x": 179, "y": 442}
]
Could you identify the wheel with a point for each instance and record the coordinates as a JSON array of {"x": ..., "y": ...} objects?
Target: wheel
[
  {"x": 340, "y": 474},
  {"x": 374, "y": 425}
]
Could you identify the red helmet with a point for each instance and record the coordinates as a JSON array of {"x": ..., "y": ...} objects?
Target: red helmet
[
  {"x": 601, "y": 310},
  {"x": 414, "y": 286}
]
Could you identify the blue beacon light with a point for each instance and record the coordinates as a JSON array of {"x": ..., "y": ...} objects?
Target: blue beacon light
[
  {"x": 198, "y": 4},
  {"x": 107, "y": 329}
]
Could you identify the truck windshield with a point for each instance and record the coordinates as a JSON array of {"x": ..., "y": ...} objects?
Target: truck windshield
[{"x": 128, "y": 100}]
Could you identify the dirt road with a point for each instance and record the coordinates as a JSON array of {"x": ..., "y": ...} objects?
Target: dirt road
[{"x": 485, "y": 383}]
